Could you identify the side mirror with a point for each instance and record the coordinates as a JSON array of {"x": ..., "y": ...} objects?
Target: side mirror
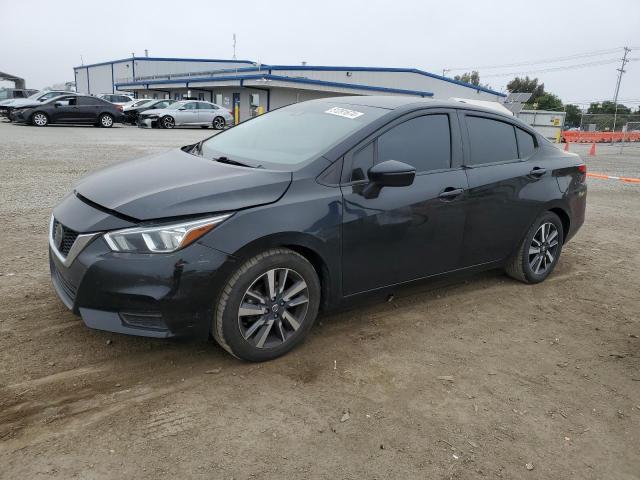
[
  {"x": 58, "y": 104},
  {"x": 182, "y": 108},
  {"x": 389, "y": 173}
]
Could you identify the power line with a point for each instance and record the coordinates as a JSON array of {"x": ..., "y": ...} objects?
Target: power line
[
  {"x": 557, "y": 69},
  {"x": 594, "y": 53},
  {"x": 615, "y": 95}
]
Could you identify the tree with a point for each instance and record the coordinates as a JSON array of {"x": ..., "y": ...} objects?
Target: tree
[
  {"x": 573, "y": 116},
  {"x": 527, "y": 85},
  {"x": 608, "y": 107},
  {"x": 471, "y": 77},
  {"x": 548, "y": 101}
]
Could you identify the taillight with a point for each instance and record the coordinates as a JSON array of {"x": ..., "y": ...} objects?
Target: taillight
[
  {"x": 119, "y": 107},
  {"x": 582, "y": 168}
]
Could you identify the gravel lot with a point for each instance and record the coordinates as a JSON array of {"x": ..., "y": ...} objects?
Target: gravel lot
[{"x": 471, "y": 378}]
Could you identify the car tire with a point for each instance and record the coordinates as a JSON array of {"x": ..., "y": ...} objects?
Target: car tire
[
  {"x": 218, "y": 123},
  {"x": 539, "y": 252},
  {"x": 39, "y": 119},
  {"x": 279, "y": 323},
  {"x": 167, "y": 122},
  {"x": 105, "y": 121}
]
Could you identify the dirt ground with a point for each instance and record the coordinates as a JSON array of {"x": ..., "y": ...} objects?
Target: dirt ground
[{"x": 473, "y": 378}]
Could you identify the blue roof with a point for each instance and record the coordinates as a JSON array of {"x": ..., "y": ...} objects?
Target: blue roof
[
  {"x": 241, "y": 78},
  {"x": 269, "y": 68}
]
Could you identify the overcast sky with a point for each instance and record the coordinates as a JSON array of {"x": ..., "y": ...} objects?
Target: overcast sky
[{"x": 43, "y": 40}]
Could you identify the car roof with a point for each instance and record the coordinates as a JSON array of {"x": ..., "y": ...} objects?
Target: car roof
[{"x": 400, "y": 102}]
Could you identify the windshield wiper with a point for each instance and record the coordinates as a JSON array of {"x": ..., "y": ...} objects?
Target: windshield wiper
[{"x": 229, "y": 161}]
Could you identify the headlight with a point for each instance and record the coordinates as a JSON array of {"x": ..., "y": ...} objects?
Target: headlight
[
  {"x": 150, "y": 116},
  {"x": 161, "y": 239}
]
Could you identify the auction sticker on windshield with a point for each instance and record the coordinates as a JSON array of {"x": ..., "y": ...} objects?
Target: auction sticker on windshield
[{"x": 344, "y": 112}]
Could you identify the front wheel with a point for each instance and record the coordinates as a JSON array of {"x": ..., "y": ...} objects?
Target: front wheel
[
  {"x": 539, "y": 252},
  {"x": 39, "y": 119},
  {"x": 218, "y": 123},
  {"x": 267, "y": 306},
  {"x": 167, "y": 122},
  {"x": 105, "y": 120}
]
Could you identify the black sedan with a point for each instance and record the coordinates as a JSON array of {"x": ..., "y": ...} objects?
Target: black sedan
[
  {"x": 132, "y": 113},
  {"x": 76, "y": 109},
  {"x": 245, "y": 236}
]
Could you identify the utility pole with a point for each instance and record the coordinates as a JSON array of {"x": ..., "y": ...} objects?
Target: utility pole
[{"x": 615, "y": 95}]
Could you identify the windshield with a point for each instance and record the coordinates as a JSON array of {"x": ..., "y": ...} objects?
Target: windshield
[
  {"x": 141, "y": 102},
  {"x": 291, "y": 135},
  {"x": 35, "y": 96}
]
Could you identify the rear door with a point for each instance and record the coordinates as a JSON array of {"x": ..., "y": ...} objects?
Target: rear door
[
  {"x": 410, "y": 232},
  {"x": 506, "y": 186},
  {"x": 88, "y": 109},
  {"x": 206, "y": 112}
]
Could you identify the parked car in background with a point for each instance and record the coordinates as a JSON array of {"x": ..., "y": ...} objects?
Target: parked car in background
[
  {"x": 117, "y": 98},
  {"x": 11, "y": 93},
  {"x": 39, "y": 97},
  {"x": 244, "y": 236},
  {"x": 132, "y": 112},
  {"x": 187, "y": 113},
  {"x": 76, "y": 109}
]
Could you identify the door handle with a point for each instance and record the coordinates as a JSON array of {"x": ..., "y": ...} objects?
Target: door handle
[
  {"x": 537, "y": 172},
  {"x": 450, "y": 193}
]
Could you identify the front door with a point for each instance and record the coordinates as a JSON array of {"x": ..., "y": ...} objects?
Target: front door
[
  {"x": 187, "y": 114},
  {"x": 66, "y": 110},
  {"x": 405, "y": 233}
]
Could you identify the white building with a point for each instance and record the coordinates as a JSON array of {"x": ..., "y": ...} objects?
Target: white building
[{"x": 250, "y": 87}]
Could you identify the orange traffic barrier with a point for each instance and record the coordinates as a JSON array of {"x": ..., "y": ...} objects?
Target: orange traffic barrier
[
  {"x": 613, "y": 177},
  {"x": 600, "y": 137},
  {"x": 592, "y": 150}
]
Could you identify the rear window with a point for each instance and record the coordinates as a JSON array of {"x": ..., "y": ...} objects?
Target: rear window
[
  {"x": 526, "y": 143},
  {"x": 491, "y": 140}
]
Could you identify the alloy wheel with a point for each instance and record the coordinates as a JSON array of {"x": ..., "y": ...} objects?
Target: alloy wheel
[
  {"x": 168, "y": 122},
  {"x": 106, "y": 121},
  {"x": 218, "y": 123},
  {"x": 273, "y": 308},
  {"x": 40, "y": 119},
  {"x": 544, "y": 248}
]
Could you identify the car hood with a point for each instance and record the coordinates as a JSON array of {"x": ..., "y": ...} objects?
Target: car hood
[
  {"x": 160, "y": 111},
  {"x": 176, "y": 183},
  {"x": 21, "y": 102}
]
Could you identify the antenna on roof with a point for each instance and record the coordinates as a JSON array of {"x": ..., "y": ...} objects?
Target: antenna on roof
[{"x": 234, "y": 46}]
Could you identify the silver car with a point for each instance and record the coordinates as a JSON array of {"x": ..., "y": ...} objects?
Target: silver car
[{"x": 187, "y": 113}]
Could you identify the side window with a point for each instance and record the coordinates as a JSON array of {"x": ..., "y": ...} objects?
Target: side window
[
  {"x": 362, "y": 162},
  {"x": 423, "y": 142},
  {"x": 88, "y": 101},
  {"x": 190, "y": 106},
  {"x": 204, "y": 106},
  {"x": 491, "y": 140},
  {"x": 526, "y": 143}
]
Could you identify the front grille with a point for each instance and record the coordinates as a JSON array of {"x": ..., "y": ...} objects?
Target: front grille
[
  {"x": 68, "y": 237},
  {"x": 68, "y": 288}
]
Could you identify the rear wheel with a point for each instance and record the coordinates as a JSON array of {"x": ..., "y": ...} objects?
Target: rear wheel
[
  {"x": 167, "y": 121},
  {"x": 539, "y": 252},
  {"x": 267, "y": 306},
  {"x": 105, "y": 120},
  {"x": 39, "y": 119},
  {"x": 218, "y": 123}
]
